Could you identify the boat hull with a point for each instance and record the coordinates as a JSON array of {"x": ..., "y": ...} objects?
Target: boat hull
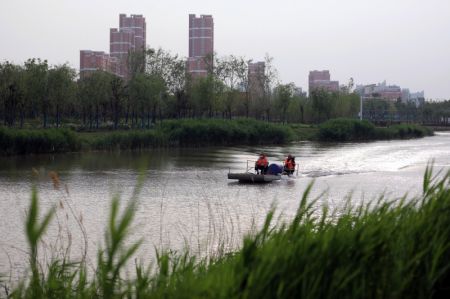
[{"x": 253, "y": 178}]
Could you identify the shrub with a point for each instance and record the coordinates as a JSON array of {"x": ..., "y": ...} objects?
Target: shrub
[
  {"x": 342, "y": 129},
  {"x": 19, "y": 142}
]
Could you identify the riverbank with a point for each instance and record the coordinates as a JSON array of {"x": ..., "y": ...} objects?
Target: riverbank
[
  {"x": 342, "y": 129},
  {"x": 388, "y": 249},
  {"x": 196, "y": 133}
]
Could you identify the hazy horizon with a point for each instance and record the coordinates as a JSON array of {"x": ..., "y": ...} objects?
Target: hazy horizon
[{"x": 403, "y": 42}]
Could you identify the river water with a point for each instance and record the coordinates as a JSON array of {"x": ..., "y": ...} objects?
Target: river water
[{"x": 186, "y": 200}]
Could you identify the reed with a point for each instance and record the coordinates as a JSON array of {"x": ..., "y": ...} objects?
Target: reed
[
  {"x": 389, "y": 248},
  {"x": 343, "y": 129},
  {"x": 29, "y": 141}
]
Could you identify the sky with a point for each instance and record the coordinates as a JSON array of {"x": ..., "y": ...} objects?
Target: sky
[{"x": 405, "y": 42}]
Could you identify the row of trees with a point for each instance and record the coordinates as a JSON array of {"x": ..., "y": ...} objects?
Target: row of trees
[{"x": 159, "y": 88}]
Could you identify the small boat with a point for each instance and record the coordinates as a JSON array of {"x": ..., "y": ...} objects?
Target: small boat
[
  {"x": 273, "y": 174},
  {"x": 253, "y": 178}
]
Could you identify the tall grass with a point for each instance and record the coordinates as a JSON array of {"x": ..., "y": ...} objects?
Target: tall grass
[
  {"x": 343, "y": 129},
  {"x": 191, "y": 132},
  {"x": 383, "y": 249},
  {"x": 188, "y": 132},
  {"x": 28, "y": 141}
]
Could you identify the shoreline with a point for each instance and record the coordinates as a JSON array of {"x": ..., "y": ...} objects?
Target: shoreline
[{"x": 198, "y": 133}]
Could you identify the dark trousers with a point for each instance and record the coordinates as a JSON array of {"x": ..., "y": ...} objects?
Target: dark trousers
[
  {"x": 262, "y": 169},
  {"x": 289, "y": 171}
]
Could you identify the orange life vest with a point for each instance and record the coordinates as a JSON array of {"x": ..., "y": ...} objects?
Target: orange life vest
[
  {"x": 262, "y": 162},
  {"x": 289, "y": 164}
]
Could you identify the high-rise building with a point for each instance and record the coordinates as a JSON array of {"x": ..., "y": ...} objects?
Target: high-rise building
[
  {"x": 256, "y": 73},
  {"x": 129, "y": 37},
  {"x": 201, "y": 45},
  {"x": 321, "y": 80},
  {"x": 91, "y": 61}
]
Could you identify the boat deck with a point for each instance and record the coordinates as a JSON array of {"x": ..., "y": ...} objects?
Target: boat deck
[{"x": 253, "y": 178}]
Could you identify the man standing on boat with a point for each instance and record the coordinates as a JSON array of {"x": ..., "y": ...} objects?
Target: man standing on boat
[
  {"x": 261, "y": 164},
  {"x": 289, "y": 164}
]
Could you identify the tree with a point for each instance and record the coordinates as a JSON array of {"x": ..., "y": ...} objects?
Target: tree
[
  {"x": 61, "y": 88},
  {"x": 284, "y": 94},
  {"x": 118, "y": 94},
  {"x": 270, "y": 80},
  {"x": 12, "y": 91},
  {"x": 232, "y": 72},
  {"x": 202, "y": 95},
  {"x": 321, "y": 102},
  {"x": 95, "y": 93},
  {"x": 36, "y": 80}
]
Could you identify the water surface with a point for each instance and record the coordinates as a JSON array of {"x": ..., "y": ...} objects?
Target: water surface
[{"x": 186, "y": 199}]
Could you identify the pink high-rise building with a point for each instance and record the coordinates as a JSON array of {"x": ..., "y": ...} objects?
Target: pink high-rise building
[
  {"x": 129, "y": 37},
  {"x": 321, "y": 80},
  {"x": 201, "y": 45},
  {"x": 256, "y": 78},
  {"x": 91, "y": 61}
]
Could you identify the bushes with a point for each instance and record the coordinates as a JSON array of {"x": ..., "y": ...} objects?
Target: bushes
[
  {"x": 410, "y": 131},
  {"x": 197, "y": 132},
  {"x": 342, "y": 129},
  {"x": 187, "y": 132},
  {"x": 387, "y": 249},
  {"x": 190, "y": 132},
  {"x": 130, "y": 140},
  {"x": 19, "y": 142}
]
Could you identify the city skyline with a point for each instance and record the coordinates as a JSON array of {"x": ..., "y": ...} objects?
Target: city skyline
[{"x": 403, "y": 42}]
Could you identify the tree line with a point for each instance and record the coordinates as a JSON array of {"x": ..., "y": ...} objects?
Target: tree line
[{"x": 159, "y": 88}]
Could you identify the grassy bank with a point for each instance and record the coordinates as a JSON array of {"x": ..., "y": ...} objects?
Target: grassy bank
[
  {"x": 197, "y": 133},
  {"x": 194, "y": 133},
  {"x": 387, "y": 249},
  {"x": 342, "y": 129},
  {"x": 27, "y": 141},
  {"x": 170, "y": 133}
]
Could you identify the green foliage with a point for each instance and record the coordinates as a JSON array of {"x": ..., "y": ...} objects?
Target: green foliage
[
  {"x": 223, "y": 132},
  {"x": 159, "y": 87},
  {"x": 113, "y": 259},
  {"x": 410, "y": 131},
  {"x": 20, "y": 142},
  {"x": 128, "y": 140},
  {"x": 187, "y": 132},
  {"x": 384, "y": 249},
  {"x": 342, "y": 129}
]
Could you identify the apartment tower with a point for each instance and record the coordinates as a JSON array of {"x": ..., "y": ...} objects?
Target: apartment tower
[
  {"x": 201, "y": 45},
  {"x": 128, "y": 38}
]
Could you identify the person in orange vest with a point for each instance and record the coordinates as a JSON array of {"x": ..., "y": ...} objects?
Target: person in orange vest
[
  {"x": 262, "y": 164},
  {"x": 289, "y": 164}
]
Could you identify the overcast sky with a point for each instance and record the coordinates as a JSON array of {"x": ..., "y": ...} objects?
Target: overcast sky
[{"x": 405, "y": 42}]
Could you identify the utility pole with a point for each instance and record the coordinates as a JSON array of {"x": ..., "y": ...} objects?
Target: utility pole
[{"x": 360, "y": 107}]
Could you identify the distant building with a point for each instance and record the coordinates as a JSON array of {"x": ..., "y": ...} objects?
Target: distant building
[
  {"x": 406, "y": 95},
  {"x": 91, "y": 61},
  {"x": 390, "y": 93},
  {"x": 298, "y": 92},
  {"x": 322, "y": 80},
  {"x": 418, "y": 98},
  {"x": 382, "y": 91},
  {"x": 129, "y": 37},
  {"x": 201, "y": 45},
  {"x": 256, "y": 76}
]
